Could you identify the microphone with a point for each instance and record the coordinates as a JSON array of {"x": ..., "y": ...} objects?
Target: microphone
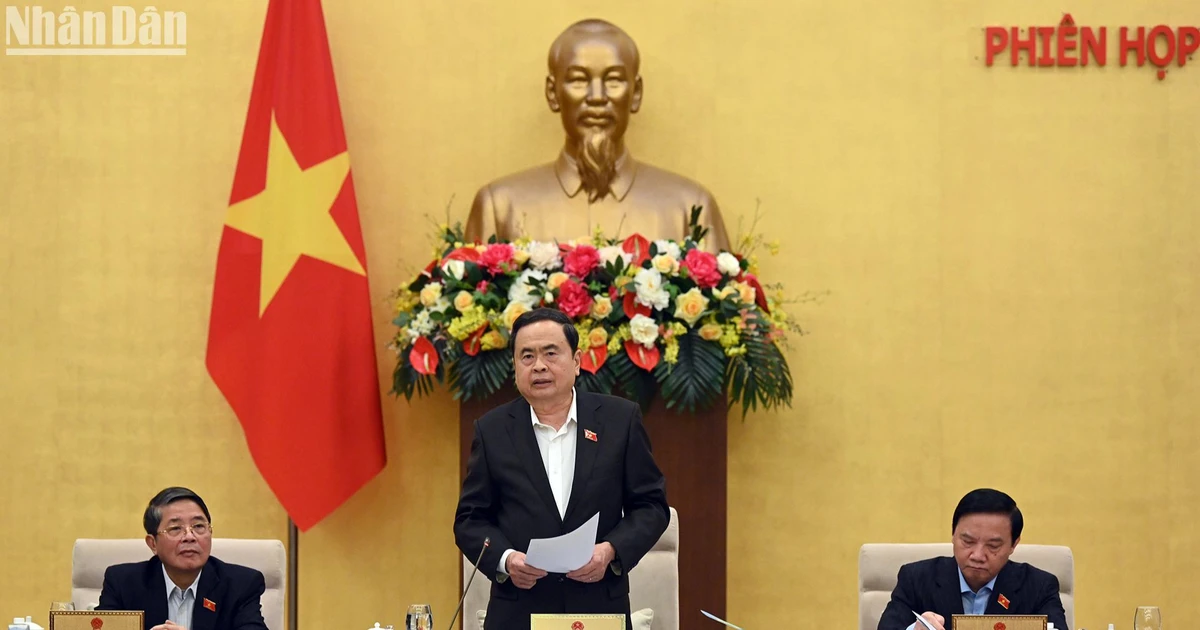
[{"x": 486, "y": 543}]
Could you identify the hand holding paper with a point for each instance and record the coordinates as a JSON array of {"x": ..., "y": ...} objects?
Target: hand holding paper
[
  {"x": 563, "y": 554},
  {"x": 936, "y": 624}
]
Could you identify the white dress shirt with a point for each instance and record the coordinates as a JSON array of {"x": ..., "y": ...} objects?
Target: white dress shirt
[
  {"x": 180, "y": 603},
  {"x": 557, "y": 448}
]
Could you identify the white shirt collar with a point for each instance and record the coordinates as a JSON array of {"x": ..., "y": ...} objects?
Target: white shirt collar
[
  {"x": 572, "y": 414},
  {"x": 171, "y": 585}
]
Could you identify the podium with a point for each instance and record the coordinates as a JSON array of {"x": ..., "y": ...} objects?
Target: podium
[{"x": 691, "y": 451}]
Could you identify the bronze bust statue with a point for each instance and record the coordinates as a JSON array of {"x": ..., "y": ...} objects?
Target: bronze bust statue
[{"x": 594, "y": 86}]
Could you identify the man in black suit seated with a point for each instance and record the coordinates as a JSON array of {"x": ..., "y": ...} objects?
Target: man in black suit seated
[
  {"x": 182, "y": 586},
  {"x": 545, "y": 463},
  {"x": 979, "y": 579}
]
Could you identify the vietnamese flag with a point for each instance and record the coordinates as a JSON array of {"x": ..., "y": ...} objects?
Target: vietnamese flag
[{"x": 290, "y": 341}]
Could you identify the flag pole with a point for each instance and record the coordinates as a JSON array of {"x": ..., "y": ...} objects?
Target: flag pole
[{"x": 293, "y": 563}]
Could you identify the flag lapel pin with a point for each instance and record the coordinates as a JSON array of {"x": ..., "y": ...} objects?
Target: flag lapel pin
[
  {"x": 591, "y": 435},
  {"x": 210, "y": 604},
  {"x": 1003, "y": 601}
]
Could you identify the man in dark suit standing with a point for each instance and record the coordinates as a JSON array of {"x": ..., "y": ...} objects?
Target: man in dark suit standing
[
  {"x": 545, "y": 463},
  {"x": 979, "y": 579},
  {"x": 182, "y": 586}
]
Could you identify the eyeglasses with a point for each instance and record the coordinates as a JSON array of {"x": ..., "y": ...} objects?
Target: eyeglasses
[{"x": 176, "y": 531}]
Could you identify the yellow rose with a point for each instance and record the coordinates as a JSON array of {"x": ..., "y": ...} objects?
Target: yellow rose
[
  {"x": 725, "y": 292},
  {"x": 520, "y": 256},
  {"x": 430, "y": 294},
  {"x": 710, "y": 332},
  {"x": 621, "y": 281},
  {"x": 512, "y": 312},
  {"x": 665, "y": 264},
  {"x": 463, "y": 300},
  {"x": 601, "y": 306},
  {"x": 556, "y": 279},
  {"x": 745, "y": 292},
  {"x": 492, "y": 341},
  {"x": 690, "y": 306},
  {"x": 598, "y": 337}
]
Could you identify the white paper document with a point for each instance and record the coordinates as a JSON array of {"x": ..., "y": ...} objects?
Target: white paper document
[
  {"x": 716, "y": 618},
  {"x": 563, "y": 554}
]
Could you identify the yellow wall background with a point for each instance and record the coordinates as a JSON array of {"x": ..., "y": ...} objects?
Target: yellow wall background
[{"x": 1011, "y": 256}]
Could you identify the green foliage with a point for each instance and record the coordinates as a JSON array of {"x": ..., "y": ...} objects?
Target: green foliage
[
  {"x": 694, "y": 382},
  {"x": 477, "y": 377}
]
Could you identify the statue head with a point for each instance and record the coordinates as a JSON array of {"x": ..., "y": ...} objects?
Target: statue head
[{"x": 593, "y": 84}]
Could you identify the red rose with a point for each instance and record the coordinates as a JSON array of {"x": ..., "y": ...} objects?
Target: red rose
[
  {"x": 702, "y": 266},
  {"x": 581, "y": 260},
  {"x": 496, "y": 257},
  {"x": 573, "y": 299}
]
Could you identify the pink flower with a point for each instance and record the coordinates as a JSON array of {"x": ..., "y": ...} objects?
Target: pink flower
[
  {"x": 496, "y": 257},
  {"x": 702, "y": 266},
  {"x": 574, "y": 299},
  {"x": 581, "y": 260},
  {"x": 482, "y": 287}
]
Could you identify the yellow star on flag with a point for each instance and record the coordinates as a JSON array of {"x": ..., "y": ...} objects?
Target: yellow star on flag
[{"x": 291, "y": 215}]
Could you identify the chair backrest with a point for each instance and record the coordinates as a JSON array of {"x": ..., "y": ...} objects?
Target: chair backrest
[
  {"x": 92, "y": 556},
  {"x": 878, "y": 565},
  {"x": 653, "y": 583}
]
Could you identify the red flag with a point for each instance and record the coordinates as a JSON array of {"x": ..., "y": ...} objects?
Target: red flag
[{"x": 290, "y": 341}]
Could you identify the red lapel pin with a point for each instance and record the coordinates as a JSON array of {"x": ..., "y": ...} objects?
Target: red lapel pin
[
  {"x": 591, "y": 435},
  {"x": 1003, "y": 601},
  {"x": 210, "y": 604}
]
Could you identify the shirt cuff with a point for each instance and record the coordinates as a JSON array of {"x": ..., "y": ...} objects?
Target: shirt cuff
[{"x": 504, "y": 561}]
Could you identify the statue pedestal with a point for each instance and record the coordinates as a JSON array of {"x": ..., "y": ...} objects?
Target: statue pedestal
[{"x": 691, "y": 451}]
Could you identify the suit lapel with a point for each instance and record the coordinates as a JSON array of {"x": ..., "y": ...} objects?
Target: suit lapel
[
  {"x": 520, "y": 427},
  {"x": 586, "y": 448},
  {"x": 204, "y": 618},
  {"x": 948, "y": 593},
  {"x": 156, "y": 589},
  {"x": 1008, "y": 584}
]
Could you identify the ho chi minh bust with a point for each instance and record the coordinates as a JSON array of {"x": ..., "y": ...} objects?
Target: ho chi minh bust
[{"x": 594, "y": 86}]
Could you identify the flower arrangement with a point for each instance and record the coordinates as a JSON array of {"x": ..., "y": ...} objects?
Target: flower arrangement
[{"x": 653, "y": 317}]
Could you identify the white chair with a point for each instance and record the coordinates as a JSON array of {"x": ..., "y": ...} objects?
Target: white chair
[
  {"x": 653, "y": 584},
  {"x": 878, "y": 565},
  {"x": 92, "y": 556}
]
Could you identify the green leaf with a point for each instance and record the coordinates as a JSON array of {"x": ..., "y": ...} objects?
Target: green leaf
[
  {"x": 479, "y": 376},
  {"x": 632, "y": 382},
  {"x": 602, "y": 382},
  {"x": 759, "y": 377},
  {"x": 695, "y": 381}
]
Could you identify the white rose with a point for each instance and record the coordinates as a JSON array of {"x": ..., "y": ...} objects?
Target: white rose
[
  {"x": 519, "y": 291},
  {"x": 455, "y": 269},
  {"x": 643, "y": 330},
  {"x": 611, "y": 253},
  {"x": 544, "y": 256},
  {"x": 728, "y": 264},
  {"x": 668, "y": 248},
  {"x": 650, "y": 291}
]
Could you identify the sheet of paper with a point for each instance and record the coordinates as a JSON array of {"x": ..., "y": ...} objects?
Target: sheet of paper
[
  {"x": 925, "y": 623},
  {"x": 718, "y": 619},
  {"x": 563, "y": 554}
]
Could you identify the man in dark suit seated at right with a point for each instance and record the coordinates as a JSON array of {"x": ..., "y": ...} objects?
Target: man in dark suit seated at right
[
  {"x": 979, "y": 579},
  {"x": 182, "y": 586}
]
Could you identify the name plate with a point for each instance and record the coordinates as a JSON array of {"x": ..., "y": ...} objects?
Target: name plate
[
  {"x": 998, "y": 622},
  {"x": 577, "y": 622},
  {"x": 96, "y": 619}
]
